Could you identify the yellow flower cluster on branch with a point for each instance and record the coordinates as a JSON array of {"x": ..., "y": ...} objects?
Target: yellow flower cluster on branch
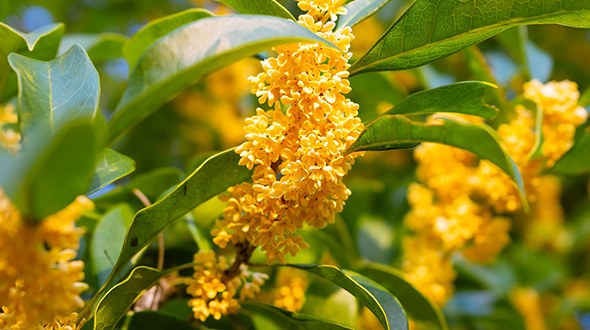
[
  {"x": 9, "y": 139},
  {"x": 463, "y": 204},
  {"x": 290, "y": 289},
  {"x": 40, "y": 280},
  {"x": 298, "y": 154},
  {"x": 214, "y": 291},
  {"x": 528, "y": 303}
]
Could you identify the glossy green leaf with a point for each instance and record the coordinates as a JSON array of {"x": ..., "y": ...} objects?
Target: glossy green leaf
[
  {"x": 157, "y": 320},
  {"x": 114, "y": 305},
  {"x": 381, "y": 302},
  {"x": 156, "y": 29},
  {"x": 213, "y": 177},
  {"x": 259, "y": 7},
  {"x": 52, "y": 94},
  {"x": 577, "y": 159},
  {"x": 111, "y": 167},
  {"x": 480, "y": 70},
  {"x": 291, "y": 320},
  {"x": 359, "y": 11},
  {"x": 513, "y": 41},
  {"x": 50, "y": 171},
  {"x": 432, "y": 29},
  {"x": 100, "y": 47},
  {"x": 392, "y": 131},
  {"x": 107, "y": 240},
  {"x": 41, "y": 44},
  {"x": 537, "y": 149},
  {"x": 419, "y": 308},
  {"x": 463, "y": 97},
  {"x": 183, "y": 57},
  {"x": 152, "y": 184}
]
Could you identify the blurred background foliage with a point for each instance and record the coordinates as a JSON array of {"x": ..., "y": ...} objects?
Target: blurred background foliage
[{"x": 528, "y": 282}]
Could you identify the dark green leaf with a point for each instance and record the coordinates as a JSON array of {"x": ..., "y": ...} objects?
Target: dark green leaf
[
  {"x": 107, "y": 240},
  {"x": 577, "y": 159},
  {"x": 156, "y": 29},
  {"x": 463, "y": 97},
  {"x": 418, "y": 307},
  {"x": 188, "y": 54},
  {"x": 111, "y": 167},
  {"x": 41, "y": 44},
  {"x": 157, "y": 321},
  {"x": 100, "y": 47},
  {"x": 50, "y": 171},
  {"x": 480, "y": 70},
  {"x": 152, "y": 184},
  {"x": 359, "y": 11},
  {"x": 432, "y": 29},
  {"x": 391, "y": 131},
  {"x": 259, "y": 7},
  {"x": 52, "y": 94},
  {"x": 212, "y": 178},
  {"x": 114, "y": 305},
  {"x": 537, "y": 150},
  {"x": 381, "y": 302},
  {"x": 513, "y": 41},
  {"x": 290, "y": 320}
]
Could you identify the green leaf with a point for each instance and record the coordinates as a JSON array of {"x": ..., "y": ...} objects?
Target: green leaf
[
  {"x": 183, "y": 57},
  {"x": 359, "y": 11},
  {"x": 480, "y": 70},
  {"x": 50, "y": 171},
  {"x": 157, "y": 320},
  {"x": 292, "y": 320},
  {"x": 114, "y": 305},
  {"x": 156, "y": 29},
  {"x": 259, "y": 7},
  {"x": 381, "y": 302},
  {"x": 577, "y": 159},
  {"x": 418, "y": 307},
  {"x": 107, "y": 240},
  {"x": 152, "y": 184},
  {"x": 513, "y": 41},
  {"x": 52, "y": 94},
  {"x": 41, "y": 44},
  {"x": 463, "y": 97},
  {"x": 537, "y": 150},
  {"x": 100, "y": 47},
  {"x": 432, "y": 29},
  {"x": 213, "y": 177},
  {"x": 111, "y": 167},
  {"x": 391, "y": 131}
]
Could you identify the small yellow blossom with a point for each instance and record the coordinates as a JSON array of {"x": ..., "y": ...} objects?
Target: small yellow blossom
[
  {"x": 561, "y": 115},
  {"x": 428, "y": 268},
  {"x": 290, "y": 292},
  {"x": 298, "y": 153},
  {"x": 214, "y": 294},
  {"x": 37, "y": 266},
  {"x": 528, "y": 303},
  {"x": 9, "y": 139}
]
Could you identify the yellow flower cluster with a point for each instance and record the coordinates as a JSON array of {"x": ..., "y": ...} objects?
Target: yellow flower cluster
[
  {"x": 299, "y": 153},
  {"x": 37, "y": 266},
  {"x": 214, "y": 293},
  {"x": 458, "y": 205},
  {"x": 290, "y": 292},
  {"x": 9, "y": 139},
  {"x": 528, "y": 303}
]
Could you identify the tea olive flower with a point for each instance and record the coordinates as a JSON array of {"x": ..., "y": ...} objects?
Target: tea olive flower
[{"x": 297, "y": 148}]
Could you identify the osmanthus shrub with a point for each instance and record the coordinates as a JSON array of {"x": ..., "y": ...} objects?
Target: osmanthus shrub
[{"x": 482, "y": 171}]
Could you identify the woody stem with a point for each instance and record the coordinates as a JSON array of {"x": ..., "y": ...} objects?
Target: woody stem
[{"x": 243, "y": 254}]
